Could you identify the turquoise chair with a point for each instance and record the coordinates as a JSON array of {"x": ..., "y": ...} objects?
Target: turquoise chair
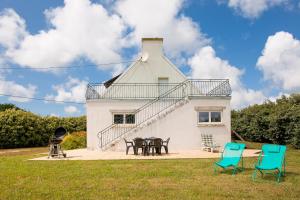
[
  {"x": 271, "y": 158},
  {"x": 231, "y": 156}
]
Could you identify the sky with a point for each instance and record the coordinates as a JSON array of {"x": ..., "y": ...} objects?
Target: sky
[{"x": 254, "y": 43}]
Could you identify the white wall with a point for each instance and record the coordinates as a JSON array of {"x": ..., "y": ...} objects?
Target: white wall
[
  {"x": 156, "y": 65},
  {"x": 99, "y": 116},
  {"x": 180, "y": 125}
]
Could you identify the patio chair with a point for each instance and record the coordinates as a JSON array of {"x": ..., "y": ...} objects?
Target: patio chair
[
  {"x": 208, "y": 143},
  {"x": 156, "y": 145},
  {"x": 231, "y": 156},
  {"x": 140, "y": 143},
  {"x": 271, "y": 158},
  {"x": 165, "y": 145},
  {"x": 128, "y": 145}
]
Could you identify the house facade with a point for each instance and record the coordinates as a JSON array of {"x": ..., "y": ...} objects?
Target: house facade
[{"x": 153, "y": 98}]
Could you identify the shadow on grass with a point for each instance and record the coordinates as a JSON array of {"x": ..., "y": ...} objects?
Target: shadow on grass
[
  {"x": 272, "y": 177},
  {"x": 247, "y": 170},
  {"x": 229, "y": 171},
  {"x": 268, "y": 178},
  {"x": 291, "y": 174}
]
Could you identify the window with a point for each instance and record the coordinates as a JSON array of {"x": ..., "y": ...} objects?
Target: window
[
  {"x": 118, "y": 119},
  {"x": 129, "y": 118},
  {"x": 215, "y": 116},
  {"x": 124, "y": 118},
  {"x": 209, "y": 117},
  {"x": 203, "y": 117}
]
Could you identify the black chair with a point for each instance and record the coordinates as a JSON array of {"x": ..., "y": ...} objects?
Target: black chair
[
  {"x": 140, "y": 143},
  {"x": 165, "y": 145},
  {"x": 156, "y": 145},
  {"x": 128, "y": 145}
]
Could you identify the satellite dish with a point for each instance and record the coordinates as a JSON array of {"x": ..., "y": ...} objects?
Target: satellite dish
[{"x": 145, "y": 57}]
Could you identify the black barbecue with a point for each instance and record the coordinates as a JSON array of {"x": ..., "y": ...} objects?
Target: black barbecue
[{"x": 55, "y": 140}]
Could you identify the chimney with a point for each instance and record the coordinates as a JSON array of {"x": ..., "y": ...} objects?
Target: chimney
[{"x": 152, "y": 46}]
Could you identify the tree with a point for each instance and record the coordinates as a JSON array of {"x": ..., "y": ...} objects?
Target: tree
[
  {"x": 6, "y": 106},
  {"x": 19, "y": 128},
  {"x": 271, "y": 122}
]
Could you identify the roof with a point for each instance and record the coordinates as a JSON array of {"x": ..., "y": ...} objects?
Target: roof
[{"x": 111, "y": 81}]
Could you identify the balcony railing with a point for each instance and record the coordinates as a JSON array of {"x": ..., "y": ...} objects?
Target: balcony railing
[{"x": 195, "y": 87}]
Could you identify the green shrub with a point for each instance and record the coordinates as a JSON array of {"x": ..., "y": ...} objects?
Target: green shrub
[
  {"x": 7, "y": 106},
  {"x": 19, "y": 128},
  {"x": 271, "y": 122},
  {"x": 295, "y": 141},
  {"x": 74, "y": 140}
]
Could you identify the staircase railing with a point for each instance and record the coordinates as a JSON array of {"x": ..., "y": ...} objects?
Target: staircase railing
[
  {"x": 145, "y": 113},
  {"x": 156, "y": 106},
  {"x": 222, "y": 88}
]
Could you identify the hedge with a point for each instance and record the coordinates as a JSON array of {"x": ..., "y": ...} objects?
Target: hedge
[
  {"x": 271, "y": 122},
  {"x": 7, "y": 106},
  {"x": 19, "y": 128},
  {"x": 76, "y": 140}
]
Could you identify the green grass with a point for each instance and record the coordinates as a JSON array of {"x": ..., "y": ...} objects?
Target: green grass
[{"x": 138, "y": 179}]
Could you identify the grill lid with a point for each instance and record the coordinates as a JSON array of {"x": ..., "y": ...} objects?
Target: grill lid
[{"x": 60, "y": 132}]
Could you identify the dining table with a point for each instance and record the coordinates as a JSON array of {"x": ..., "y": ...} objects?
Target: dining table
[{"x": 149, "y": 141}]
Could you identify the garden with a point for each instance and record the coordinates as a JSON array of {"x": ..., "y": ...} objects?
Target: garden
[
  {"x": 21, "y": 178},
  {"x": 25, "y": 135}
]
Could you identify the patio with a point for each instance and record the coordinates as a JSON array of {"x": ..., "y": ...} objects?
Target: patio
[{"x": 84, "y": 154}]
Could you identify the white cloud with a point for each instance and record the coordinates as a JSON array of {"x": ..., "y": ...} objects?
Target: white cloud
[
  {"x": 12, "y": 31},
  {"x": 54, "y": 115},
  {"x": 15, "y": 89},
  {"x": 71, "y": 109},
  {"x": 82, "y": 29},
  {"x": 205, "y": 64},
  {"x": 73, "y": 90},
  {"x": 254, "y": 8},
  {"x": 78, "y": 29},
  {"x": 278, "y": 96},
  {"x": 156, "y": 18},
  {"x": 280, "y": 61},
  {"x": 12, "y": 28}
]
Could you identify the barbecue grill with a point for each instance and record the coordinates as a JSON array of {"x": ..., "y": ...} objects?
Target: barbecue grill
[{"x": 55, "y": 140}]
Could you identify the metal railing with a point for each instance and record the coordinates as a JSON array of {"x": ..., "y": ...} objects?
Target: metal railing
[
  {"x": 162, "y": 98},
  {"x": 145, "y": 113},
  {"x": 197, "y": 87},
  {"x": 209, "y": 87}
]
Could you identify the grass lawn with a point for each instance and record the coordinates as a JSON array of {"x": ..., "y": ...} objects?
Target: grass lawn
[{"x": 138, "y": 179}]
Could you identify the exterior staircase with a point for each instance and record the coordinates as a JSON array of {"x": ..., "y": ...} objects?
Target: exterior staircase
[
  {"x": 146, "y": 115},
  {"x": 161, "y": 103}
]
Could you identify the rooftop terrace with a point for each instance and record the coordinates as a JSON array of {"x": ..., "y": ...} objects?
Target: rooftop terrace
[{"x": 190, "y": 87}]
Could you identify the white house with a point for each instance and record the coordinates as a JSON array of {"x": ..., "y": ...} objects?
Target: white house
[{"x": 154, "y": 98}]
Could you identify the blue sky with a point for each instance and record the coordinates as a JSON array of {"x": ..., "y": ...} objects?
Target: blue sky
[{"x": 256, "y": 45}]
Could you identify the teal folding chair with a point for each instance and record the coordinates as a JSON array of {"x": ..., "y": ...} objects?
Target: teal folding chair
[
  {"x": 271, "y": 160},
  {"x": 231, "y": 156}
]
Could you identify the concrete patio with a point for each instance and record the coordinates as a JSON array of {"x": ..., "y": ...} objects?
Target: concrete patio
[{"x": 84, "y": 154}]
